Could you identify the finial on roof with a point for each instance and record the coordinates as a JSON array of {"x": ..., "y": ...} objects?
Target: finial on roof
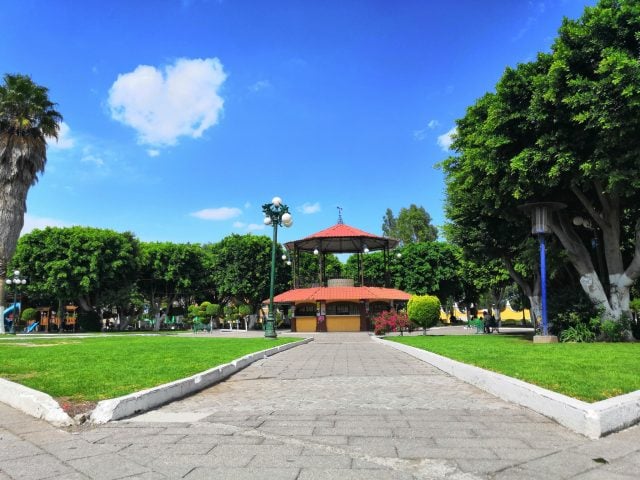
[{"x": 340, "y": 222}]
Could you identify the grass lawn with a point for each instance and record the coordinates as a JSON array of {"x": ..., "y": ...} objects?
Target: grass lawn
[
  {"x": 586, "y": 371},
  {"x": 93, "y": 369}
]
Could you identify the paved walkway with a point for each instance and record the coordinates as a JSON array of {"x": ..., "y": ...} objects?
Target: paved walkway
[{"x": 341, "y": 407}]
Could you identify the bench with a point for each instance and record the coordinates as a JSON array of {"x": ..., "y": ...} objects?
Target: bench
[{"x": 204, "y": 327}]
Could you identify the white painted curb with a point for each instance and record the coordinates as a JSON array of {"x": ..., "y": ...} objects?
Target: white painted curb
[
  {"x": 138, "y": 402},
  {"x": 592, "y": 420},
  {"x": 34, "y": 403}
]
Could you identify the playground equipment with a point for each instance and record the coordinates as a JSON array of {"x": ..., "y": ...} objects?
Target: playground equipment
[{"x": 9, "y": 323}]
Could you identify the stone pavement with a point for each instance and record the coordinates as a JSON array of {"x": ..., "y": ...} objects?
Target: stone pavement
[{"x": 341, "y": 407}]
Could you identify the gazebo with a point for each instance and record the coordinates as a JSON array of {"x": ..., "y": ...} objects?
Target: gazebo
[{"x": 339, "y": 304}]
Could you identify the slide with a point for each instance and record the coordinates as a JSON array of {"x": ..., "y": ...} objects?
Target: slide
[
  {"x": 32, "y": 327},
  {"x": 11, "y": 308},
  {"x": 7, "y": 323}
]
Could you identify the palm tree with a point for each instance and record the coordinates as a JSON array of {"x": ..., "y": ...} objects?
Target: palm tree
[{"x": 27, "y": 118}]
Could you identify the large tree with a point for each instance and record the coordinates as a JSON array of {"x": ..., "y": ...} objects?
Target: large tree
[
  {"x": 27, "y": 118},
  {"x": 168, "y": 271},
  {"x": 565, "y": 128},
  {"x": 82, "y": 264},
  {"x": 412, "y": 225},
  {"x": 241, "y": 266}
]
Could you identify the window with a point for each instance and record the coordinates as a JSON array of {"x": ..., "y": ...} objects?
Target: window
[
  {"x": 376, "y": 308},
  {"x": 343, "y": 308},
  {"x": 306, "y": 310}
]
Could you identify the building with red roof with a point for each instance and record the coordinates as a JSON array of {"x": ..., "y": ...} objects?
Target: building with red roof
[{"x": 338, "y": 304}]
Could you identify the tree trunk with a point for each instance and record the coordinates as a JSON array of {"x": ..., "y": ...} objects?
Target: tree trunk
[{"x": 607, "y": 217}]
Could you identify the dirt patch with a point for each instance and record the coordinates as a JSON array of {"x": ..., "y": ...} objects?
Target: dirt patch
[{"x": 74, "y": 407}]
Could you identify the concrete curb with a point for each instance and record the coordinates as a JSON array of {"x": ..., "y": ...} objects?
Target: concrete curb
[
  {"x": 34, "y": 403},
  {"x": 138, "y": 402},
  {"x": 592, "y": 420}
]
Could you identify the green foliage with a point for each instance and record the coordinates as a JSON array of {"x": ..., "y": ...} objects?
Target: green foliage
[
  {"x": 578, "y": 333},
  {"x": 565, "y": 127},
  {"x": 612, "y": 331},
  {"x": 244, "y": 310},
  {"x": 77, "y": 263},
  {"x": 241, "y": 269},
  {"x": 309, "y": 268},
  {"x": 424, "y": 310},
  {"x": 89, "y": 321},
  {"x": 29, "y": 314},
  {"x": 412, "y": 225},
  {"x": 169, "y": 269}
]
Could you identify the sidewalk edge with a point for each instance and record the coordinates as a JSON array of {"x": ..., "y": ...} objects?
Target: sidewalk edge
[
  {"x": 144, "y": 400},
  {"x": 592, "y": 420}
]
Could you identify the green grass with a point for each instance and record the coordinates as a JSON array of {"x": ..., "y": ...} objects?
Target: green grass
[
  {"x": 586, "y": 371},
  {"x": 93, "y": 369}
]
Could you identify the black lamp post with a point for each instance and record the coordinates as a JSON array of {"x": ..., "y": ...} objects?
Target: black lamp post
[
  {"x": 540, "y": 226},
  {"x": 276, "y": 214},
  {"x": 16, "y": 281}
]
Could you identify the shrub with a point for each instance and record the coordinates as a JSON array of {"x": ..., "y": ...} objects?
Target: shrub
[
  {"x": 579, "y": 333},
  {"x": 424, "y": 311},
  {"x": 390, "y": 321},
  {"x": 29, "y": 315},
  {"x": 612, "y": 331}
]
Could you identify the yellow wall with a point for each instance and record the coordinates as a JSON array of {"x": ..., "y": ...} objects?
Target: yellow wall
[
  {"x": 305, "y": 324},
  {"x": 343, "y": 323}
]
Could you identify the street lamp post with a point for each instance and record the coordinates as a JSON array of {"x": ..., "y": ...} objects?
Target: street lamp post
[
  {"x": 276, "y": 214},
  {"x": 16, "y": 281},
  {"x": 540, "y": 226}
]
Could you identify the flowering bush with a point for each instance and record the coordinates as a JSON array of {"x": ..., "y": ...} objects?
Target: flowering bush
[{"x": 390, "y": 321}]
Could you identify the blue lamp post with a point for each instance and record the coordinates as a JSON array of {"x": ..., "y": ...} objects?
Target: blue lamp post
[
  {"x": 276, "y": 214},
  {"x": 540, "y": 226}
]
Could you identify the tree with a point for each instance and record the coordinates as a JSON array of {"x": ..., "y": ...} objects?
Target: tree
[
  {"x": 241, "y": 268},
  {"x": 309, "y": 267},
  {"x": 566, "y": 128},
  {"x": 412, "y": 225},
  {"x": 27, "y": 118},
  {"x": 424, "y": 311},
  {"x": 77, "y": 263},
  {"x": 169, "y": 270}
]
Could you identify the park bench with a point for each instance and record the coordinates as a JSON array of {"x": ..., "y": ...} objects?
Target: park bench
[
  {"x": 199, "y": 326},
  {"x": 478, "y": 324}
]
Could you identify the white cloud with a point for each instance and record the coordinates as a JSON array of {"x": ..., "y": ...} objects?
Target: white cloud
[
  {"x": 422, "y": 133},
  {"x": 445, "y": 140},
  {"x": 31, "y": 222},
  {"x": 260, "y": 85},
  {"x": 255, "y": 226},
  {"x": 239, "y": 224},
  {"x": 152, "y": 152},
  {"x": 164, "y": 105},
  {"x": 65, "y": 140},
  {"x": 222, "y": 213},
  {"x": 89, "y": 158},
  {"x": 308, "y": 208}
]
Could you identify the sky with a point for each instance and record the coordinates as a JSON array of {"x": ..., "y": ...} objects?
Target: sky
[{"x": 183, "y": 117}]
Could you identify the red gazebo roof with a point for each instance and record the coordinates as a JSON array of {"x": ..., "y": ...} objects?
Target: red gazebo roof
[
  {"x": 341, "y": 238},
  {"x": 316, "y": 294}
]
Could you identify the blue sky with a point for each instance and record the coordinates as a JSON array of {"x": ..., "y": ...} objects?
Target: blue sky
[{"x": 181, "y": 118}]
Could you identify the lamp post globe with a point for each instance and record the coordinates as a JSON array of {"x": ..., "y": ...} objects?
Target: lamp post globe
[{"x": 277, "y": 215}]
